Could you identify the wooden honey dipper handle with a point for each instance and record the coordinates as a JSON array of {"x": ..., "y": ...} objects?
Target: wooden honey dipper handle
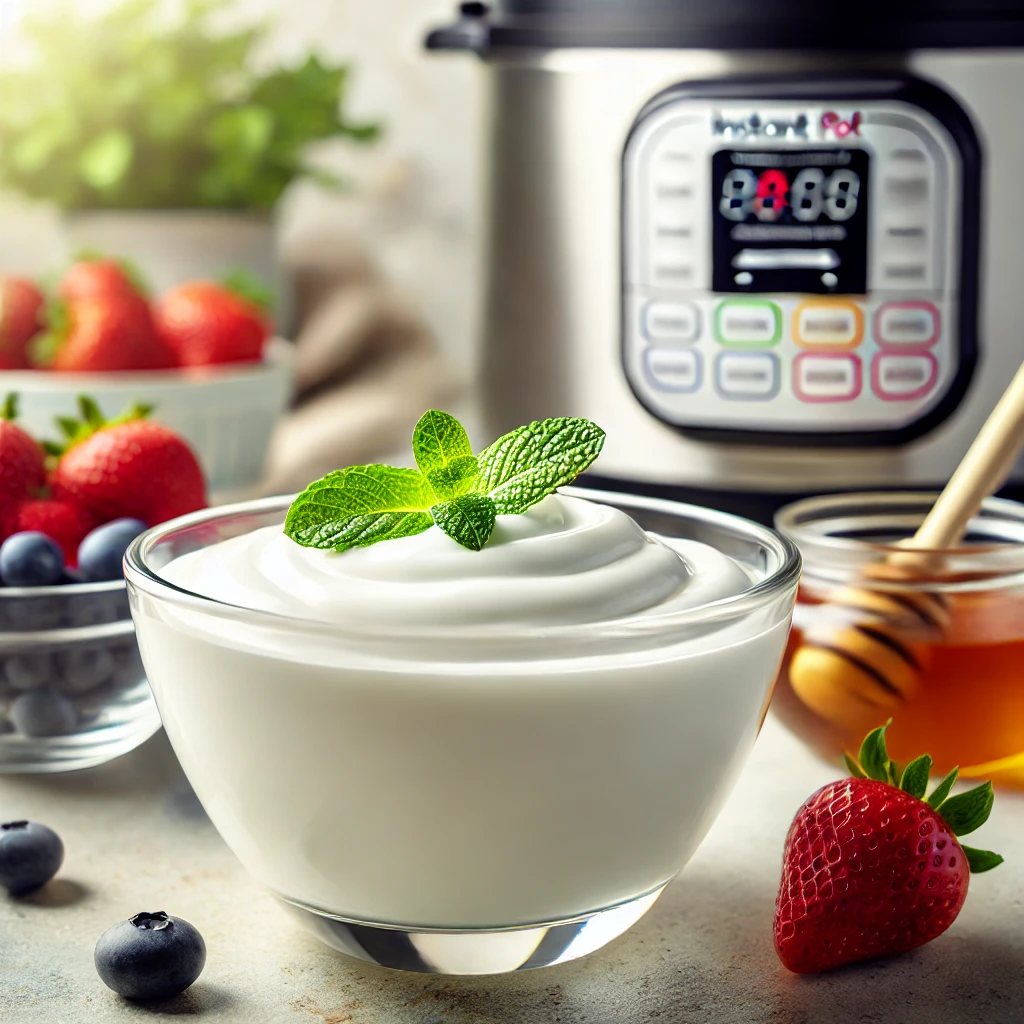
[
  {"x": 857, "y": 671},
  {"x": 983, "y": 470}
]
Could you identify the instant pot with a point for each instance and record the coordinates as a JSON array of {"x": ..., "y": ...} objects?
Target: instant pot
[{"x": 772, "y": 247}]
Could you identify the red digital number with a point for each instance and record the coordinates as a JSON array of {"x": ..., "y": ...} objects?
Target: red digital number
[{"x": 772, "y": 186}]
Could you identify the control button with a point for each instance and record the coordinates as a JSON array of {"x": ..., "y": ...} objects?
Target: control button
[
  {"x": 828, "y": 325},
  {"x": 827, "y": 377},
  {"x": 673, "y": 369},
  {"x": 671, "y": 321},
  {"x": 748, "y": 323},
  {"x": 748, "y": 376},
  {"x": 907, "y": 323},
  {"x": 897, "y": 378}
]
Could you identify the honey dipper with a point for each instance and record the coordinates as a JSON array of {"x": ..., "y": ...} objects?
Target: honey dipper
[{"x": 856, "y": 671}]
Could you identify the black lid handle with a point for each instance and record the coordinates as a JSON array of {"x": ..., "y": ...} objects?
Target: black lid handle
[{"x": 468, "y": 32}]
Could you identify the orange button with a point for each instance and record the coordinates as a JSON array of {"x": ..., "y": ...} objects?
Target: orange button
[{"x": 828, "y": 324}]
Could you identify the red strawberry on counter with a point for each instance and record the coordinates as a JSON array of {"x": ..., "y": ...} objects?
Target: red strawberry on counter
[
  {"x": 205, "y": 324},
  {"x": 93, "y": 277},
  {"x": 127, "y": 467},
  {"x": 63, "y": 521},
  {"x": 21, "y": 310},
  {"x": 102, "y": 333},
  {"x": 22, "y": 469},
  {"x": 873, "y": 869}
]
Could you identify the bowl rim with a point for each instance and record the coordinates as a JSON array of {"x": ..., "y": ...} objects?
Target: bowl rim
[
  {"x": 66, "y": 635},
  {"x": 785, "y": 576},
  {"x": 278, "y": 358}
]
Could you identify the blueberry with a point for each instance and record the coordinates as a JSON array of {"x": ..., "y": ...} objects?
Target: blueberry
[
  {"x": 43, "y": 713},
  {"x": 27, "y": 671},
  {"x": 30, "y": 855},
  {"x": 30, "y": 559},
  {"x": 83, "y": 668},
  {"x": 150, "y": 956},
  {"x": 100, "y": 554}
]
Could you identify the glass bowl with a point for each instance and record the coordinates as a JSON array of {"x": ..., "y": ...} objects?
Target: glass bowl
[
  {"x": 936, "y": 642},
  {"x": 471, "y": 800},
  {"x": 73, "y": 692}
]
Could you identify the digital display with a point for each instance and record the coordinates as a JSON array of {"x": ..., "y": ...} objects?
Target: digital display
[{"x": 790, "y": 221}]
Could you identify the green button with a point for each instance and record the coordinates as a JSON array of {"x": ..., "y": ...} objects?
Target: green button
[{"x": 748, "y": 323}]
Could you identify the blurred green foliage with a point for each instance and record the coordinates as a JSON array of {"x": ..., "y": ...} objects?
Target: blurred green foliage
[{"x": 126, "y": 110}]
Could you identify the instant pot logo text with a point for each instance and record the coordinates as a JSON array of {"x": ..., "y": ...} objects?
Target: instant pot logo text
[
  {"x": 831, "y": 125},
  {"x": 756, "y": 126}
]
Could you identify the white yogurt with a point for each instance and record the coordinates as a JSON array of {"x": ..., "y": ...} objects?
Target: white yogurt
[
  {"x": 565, "y": 561},
  {"x": 450, "y": 790}
]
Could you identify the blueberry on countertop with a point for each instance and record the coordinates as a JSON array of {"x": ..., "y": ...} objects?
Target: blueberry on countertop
[
  {"x": 30, "y": 855},
  {"x": 31, "y": 559},
  {"x": 150, "y": 956},
  {"x": 100, "y": 554}
]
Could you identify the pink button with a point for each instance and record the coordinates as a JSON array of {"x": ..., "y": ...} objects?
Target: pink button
[
  {"x": 899, "y": 377},
  {"x": 826, "y": 377},
  {"x": 907, "y": 323}
]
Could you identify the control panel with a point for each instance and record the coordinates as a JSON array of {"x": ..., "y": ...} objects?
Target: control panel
[{"x": 793, "y": 266}]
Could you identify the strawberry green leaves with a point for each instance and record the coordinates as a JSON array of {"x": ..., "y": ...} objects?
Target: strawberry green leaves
[
  {"x": 942, "y": 790},
  {"x": 914, "y": 779},
  {"x": 462, "y": 494},
  {"x": 963, "y": 813},
  {"x": 981, "y": 860},
  {"x": 873, "y": 758},
  {"x": 968, "y": 811},
  {"x": 526, "y": 465}
]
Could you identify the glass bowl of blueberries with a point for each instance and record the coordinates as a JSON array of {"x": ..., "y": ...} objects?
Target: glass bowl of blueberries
[{"x": 73, "y": 692}]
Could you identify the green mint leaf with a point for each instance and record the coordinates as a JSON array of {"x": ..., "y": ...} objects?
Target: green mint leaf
[
  {"x": 941, "y": 791},
  {"x": 981, "y": 860},
  {"x": 468, "y": 519},
  {"x": 10, "y": 407},
  {"x": 444, "y": 454},
  {"x": 873, "y": 757},
  {"x": 853, "y": 768},
  {"x": 914, "y": 779},
  {"x": 359, "y": 506},
  {"x": 967, "y": 811},
  {"x": 528, "y": 464}
]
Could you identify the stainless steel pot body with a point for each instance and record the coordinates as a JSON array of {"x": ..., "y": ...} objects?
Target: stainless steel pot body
[{"x": 553, "y": 325}]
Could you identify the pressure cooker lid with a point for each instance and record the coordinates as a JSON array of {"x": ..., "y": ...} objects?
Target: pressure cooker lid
[{"x": 734, "y": 24}]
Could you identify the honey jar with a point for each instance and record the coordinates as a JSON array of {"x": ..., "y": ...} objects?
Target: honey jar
[{"x": 937, "y": 646}]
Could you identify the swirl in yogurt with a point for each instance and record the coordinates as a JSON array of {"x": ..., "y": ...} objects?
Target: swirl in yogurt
[{"x": 565, "y": 561}]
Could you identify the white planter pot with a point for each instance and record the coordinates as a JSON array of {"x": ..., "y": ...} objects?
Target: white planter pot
[{"x": 171, "y": 247}]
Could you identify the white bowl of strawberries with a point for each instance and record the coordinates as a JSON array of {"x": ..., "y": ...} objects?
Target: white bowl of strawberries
[
  {"x": 73, "y": 692},
  {"x": 202, "y": 356}
]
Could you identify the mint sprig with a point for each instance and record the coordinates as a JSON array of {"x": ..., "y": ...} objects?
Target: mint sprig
[{"x": 459, "y": 492}]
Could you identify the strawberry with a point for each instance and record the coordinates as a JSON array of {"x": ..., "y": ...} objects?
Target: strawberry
[
  {"x": 94, "y": 276},
  {"x": 21, "y": 308},
  {"x": 127, "y": 467},
  {"x": 22, "y": 469},
  {"x": 100, "y": 333},
  {"x": 206, "y": 323},
  {"x": 64, "y": 521},
  {"x": 871, "y": 868}
]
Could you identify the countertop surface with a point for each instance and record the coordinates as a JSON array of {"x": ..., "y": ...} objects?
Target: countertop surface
[{"x": 137, "y": 839}]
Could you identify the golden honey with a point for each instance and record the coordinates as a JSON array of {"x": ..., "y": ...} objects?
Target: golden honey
[{"x": 958, "y": 692}]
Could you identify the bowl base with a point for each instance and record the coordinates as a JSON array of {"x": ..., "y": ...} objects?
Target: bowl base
[
  {"x": 23, "y": 756},
  {"x": 474, "y": 950}
]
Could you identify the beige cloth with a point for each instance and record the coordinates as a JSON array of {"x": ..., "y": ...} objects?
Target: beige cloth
[{"x": 367, "y": 368}]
